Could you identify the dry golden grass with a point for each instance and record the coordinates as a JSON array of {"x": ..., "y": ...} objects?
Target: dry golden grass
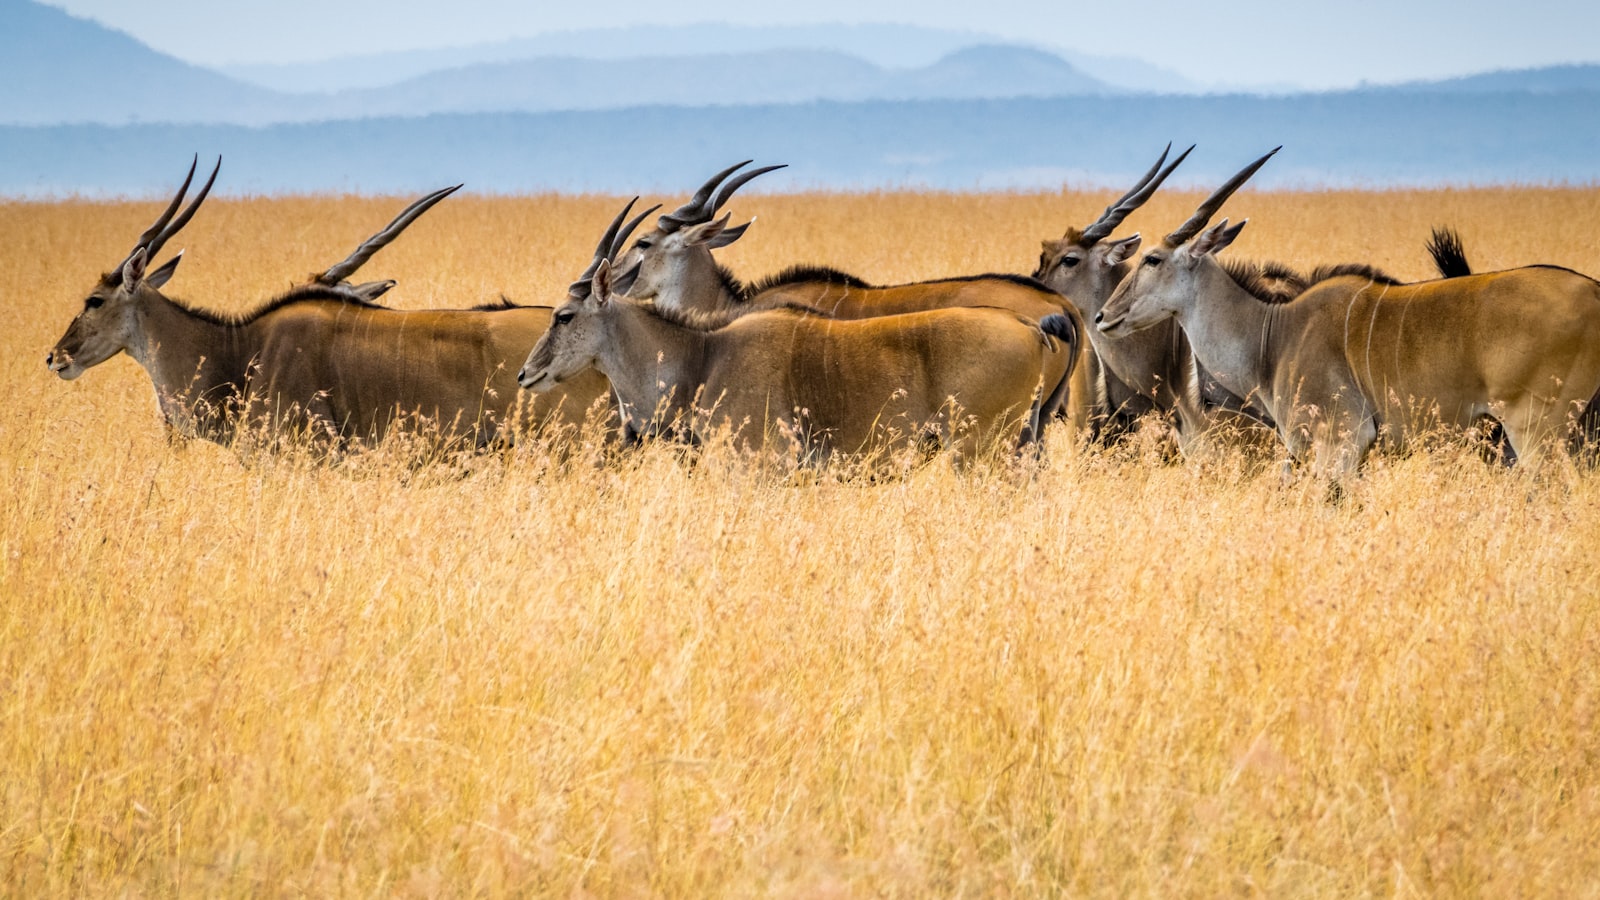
[{"x": 224, "y": 676}]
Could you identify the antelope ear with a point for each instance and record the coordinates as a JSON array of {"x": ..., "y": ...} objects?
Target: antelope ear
[
  {"x": 730, "y": 235},
  {"x": 706, "y": 231},
  {"x": 161, "y": 276},
  {"x": 600, "y": 284},
  {"x": 133, "y": 269},
  {"x": 1118, "y": 252},
  {"x": 1216, "y": 238},
  {"x": 370, "y": 291}
]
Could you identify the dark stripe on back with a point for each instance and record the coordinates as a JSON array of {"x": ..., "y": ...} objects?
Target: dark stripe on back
[
  {"x": 316, "y": 293},
  {"x": 805, "y": 275}
]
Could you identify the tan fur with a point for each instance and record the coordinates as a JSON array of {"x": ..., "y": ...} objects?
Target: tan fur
[
  {"x": 1146, "y": 372},
  {"x": 677, "y": 271},
  {"x": 1354, "y": 359},
  {"x": 832, "y": 386},
  {"x": 340, "y": 368},
  {"x": 1030, "y": 302}
]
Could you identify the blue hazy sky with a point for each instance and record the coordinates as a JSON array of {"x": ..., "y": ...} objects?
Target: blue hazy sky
[{"x": 1318, "y": 45}]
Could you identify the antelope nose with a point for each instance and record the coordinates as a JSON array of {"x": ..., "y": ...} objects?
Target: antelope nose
[{"x": 50, "y": 358}]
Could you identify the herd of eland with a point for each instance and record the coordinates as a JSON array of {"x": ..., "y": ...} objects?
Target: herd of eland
[{"x": 656, "y": 339}]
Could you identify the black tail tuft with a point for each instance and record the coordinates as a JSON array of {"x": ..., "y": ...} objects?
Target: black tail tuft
[
  {"x": 1061, "y": 327},
  {"x": 1448, "y": 256}
]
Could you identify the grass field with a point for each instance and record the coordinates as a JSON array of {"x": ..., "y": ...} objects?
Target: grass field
[{"x": 224, "y": 674}]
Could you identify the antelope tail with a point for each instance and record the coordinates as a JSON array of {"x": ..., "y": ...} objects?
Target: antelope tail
[
  {"x": 1448, "y": 255},
  {"x": 1060, "y": 327}
]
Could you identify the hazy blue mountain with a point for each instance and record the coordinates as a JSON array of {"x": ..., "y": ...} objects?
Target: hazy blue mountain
[
  {"x": 58, "y": 68},
  {"x": 552, "y": 83},
  {"x": 75, "y": 71},
  {"x": 840, "y": 120},
  {"x": 994, "y": 70},
  {"x": 1362, "y": 138},
  {"x": 1544, "y": 80},
  {"x": 888, "y": 46},
  {"x": 774, "y": 76}
]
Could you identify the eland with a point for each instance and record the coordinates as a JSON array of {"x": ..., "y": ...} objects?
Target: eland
[
  {"x": 1356, "y": 356},
  {"x": 966, "y": 379},
  {"x": 672, "y": 266},
  {"x": 323, "y": 358}
]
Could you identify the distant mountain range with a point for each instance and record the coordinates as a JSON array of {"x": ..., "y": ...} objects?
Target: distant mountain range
[
  {"x": 91, "y": 110},
  {"x": 77, "y": 71},
  {"x": 774, "y": 76},
  {"x": 57, "y": 68},
  {"x": 885, "y": 46},
  {"x": 1546, "y": 80}
]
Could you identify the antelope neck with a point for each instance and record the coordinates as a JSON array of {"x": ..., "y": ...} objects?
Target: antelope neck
[{"x": 653, "y": 364}]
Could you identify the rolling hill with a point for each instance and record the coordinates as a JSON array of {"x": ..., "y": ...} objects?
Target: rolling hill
[
  {"x": 887, "y": 46},
  {"x": 76, "y": 71},
  {"x": 771, "y": 77},
  {"x": 57, "y": 68},
  {"x": 1544, "y": 80}
]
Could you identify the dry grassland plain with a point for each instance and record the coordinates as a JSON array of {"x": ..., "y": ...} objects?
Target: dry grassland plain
[{"x": 224, "y": 674}]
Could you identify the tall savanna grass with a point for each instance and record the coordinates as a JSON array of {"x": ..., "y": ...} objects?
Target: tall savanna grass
[{"x": 227, "y": 673}]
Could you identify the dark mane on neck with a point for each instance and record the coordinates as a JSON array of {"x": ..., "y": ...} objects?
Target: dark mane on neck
[
  {"x": 704, "y": 320},
  {"x": 1274, "y": 282},
  {"x": 735, "y": 288},
  {"x": 1360, "y": 270},
  {"x": 1026, "y": 281},
  {"x": 307, "y": 293},
  {"x": 314, "y": 293},
  {"x": 1268, "y": 282},
  {"x": 804, "y": 274}
]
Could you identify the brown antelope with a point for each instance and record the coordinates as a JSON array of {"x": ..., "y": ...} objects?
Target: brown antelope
[
  {"x": 322, "y": 357},
  {"x": 1147, "y": 372},
  {"x": 795, "y": 377},
  {"x": 1153, "y": 370},
  {"x": 672, "y": 266},
  {"x": 1357, "y": 356}
]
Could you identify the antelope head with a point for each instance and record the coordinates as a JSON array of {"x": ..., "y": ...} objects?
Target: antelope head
[
  {"x": 108, "y": 324},
  {"x": 1082, "y": 265},
  {"x": 667, "y": 260},
  {"x": 1167, "y": 277},
  {"x": 575, "y": 338},
  {"x": 540, "y": 373}
]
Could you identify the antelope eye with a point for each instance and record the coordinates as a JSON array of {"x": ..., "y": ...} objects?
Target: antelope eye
[
  {"x": 564, "y": 317},
  {"x": 642, "y": 244},
  {"x": 1152, "y": 261},
  {"x": 1070, "y": 261},
  {"x": 95, "y": 302}
]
